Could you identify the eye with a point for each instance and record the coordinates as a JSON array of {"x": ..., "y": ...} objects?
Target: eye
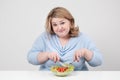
[
  {"x": 62, "y": 23},
  {"x": 54, "y": 24}
]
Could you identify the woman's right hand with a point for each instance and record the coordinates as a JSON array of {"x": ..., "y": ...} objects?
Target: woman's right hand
[{"x": 53, "y": 56}]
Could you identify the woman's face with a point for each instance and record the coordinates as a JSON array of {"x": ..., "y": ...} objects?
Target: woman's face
[{"x": 61, "y": 26}]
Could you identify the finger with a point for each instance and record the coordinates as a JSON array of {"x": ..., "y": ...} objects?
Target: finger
[
  {"x": 50, "y": 57},
  {"x": 77, "y": 57},
  {"x": 74, "y": 58},
  {"x": 58, "y": 58},
  {"x": 54, "y": 58},
  {"x": 82, "y": 53}
]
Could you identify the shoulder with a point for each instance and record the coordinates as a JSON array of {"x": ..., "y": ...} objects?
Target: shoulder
[
  {"x": 46, "y": 36},
  {"x": 43, "y": 35},
  {"x": 84, "y": 36},
  {"x": 81, "y": 34}
]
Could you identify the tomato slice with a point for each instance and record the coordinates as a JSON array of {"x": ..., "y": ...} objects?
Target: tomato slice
[{"x": 62, "y": 69}]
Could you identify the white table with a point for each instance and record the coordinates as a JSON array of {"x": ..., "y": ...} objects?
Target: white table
[{"x": 47, "y": 75}]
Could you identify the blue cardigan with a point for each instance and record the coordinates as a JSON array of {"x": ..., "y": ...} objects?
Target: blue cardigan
[{"x": 50, "y": 43}]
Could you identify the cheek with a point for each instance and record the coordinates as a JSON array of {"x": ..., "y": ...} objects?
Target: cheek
[
  {"x": 54, "y": 29},
  {"x": 68, "y": 28}
]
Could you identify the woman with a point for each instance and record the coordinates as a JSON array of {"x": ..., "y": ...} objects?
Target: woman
[{"x": 63, "y": 42}]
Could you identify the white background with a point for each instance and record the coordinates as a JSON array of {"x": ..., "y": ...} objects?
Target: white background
[{"x": 22, "y": 21}]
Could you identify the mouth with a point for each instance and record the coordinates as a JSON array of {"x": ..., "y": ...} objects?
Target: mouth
[{"x": 61, "y": 31}]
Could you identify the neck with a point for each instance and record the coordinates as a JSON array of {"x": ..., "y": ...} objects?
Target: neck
[
  {"x": 64, "y": 40},
  {"x": 65, "y": 37}
]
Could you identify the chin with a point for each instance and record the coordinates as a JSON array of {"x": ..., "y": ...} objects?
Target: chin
[{"x": 62, "y": 36}]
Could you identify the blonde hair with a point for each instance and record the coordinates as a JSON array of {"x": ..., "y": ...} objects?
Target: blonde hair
[{"x": 60, "y": 12}]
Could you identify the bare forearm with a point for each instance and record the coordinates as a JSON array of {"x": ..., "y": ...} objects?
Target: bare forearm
[{"x": 42, "y": 57}]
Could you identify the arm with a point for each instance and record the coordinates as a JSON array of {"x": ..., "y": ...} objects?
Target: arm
[
  {"x": 87, "y": 54},
  {"x": 44, "y": 56},
  {"x": 91, "y": 54},
  {"x": 38, "y": 55},
  {"x": 37, "y": 48},
  {"x": 96, "y": 58}
]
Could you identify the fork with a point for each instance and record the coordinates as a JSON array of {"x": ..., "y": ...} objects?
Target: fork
[
  {"x": 71, "y": 62},
  {"x": 61, "y": 63}
]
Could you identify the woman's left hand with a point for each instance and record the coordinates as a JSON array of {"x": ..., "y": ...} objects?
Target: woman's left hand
[{"x": 87, "y": 54}]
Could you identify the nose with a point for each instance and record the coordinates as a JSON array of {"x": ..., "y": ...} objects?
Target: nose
[{"x": 60, "y": 26}]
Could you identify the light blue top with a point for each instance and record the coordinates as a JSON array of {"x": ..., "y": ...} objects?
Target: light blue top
[{"x": 52, "y": 43}]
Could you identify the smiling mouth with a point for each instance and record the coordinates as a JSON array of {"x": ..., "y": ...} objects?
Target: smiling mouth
[{"x": 61, "y": 30}]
